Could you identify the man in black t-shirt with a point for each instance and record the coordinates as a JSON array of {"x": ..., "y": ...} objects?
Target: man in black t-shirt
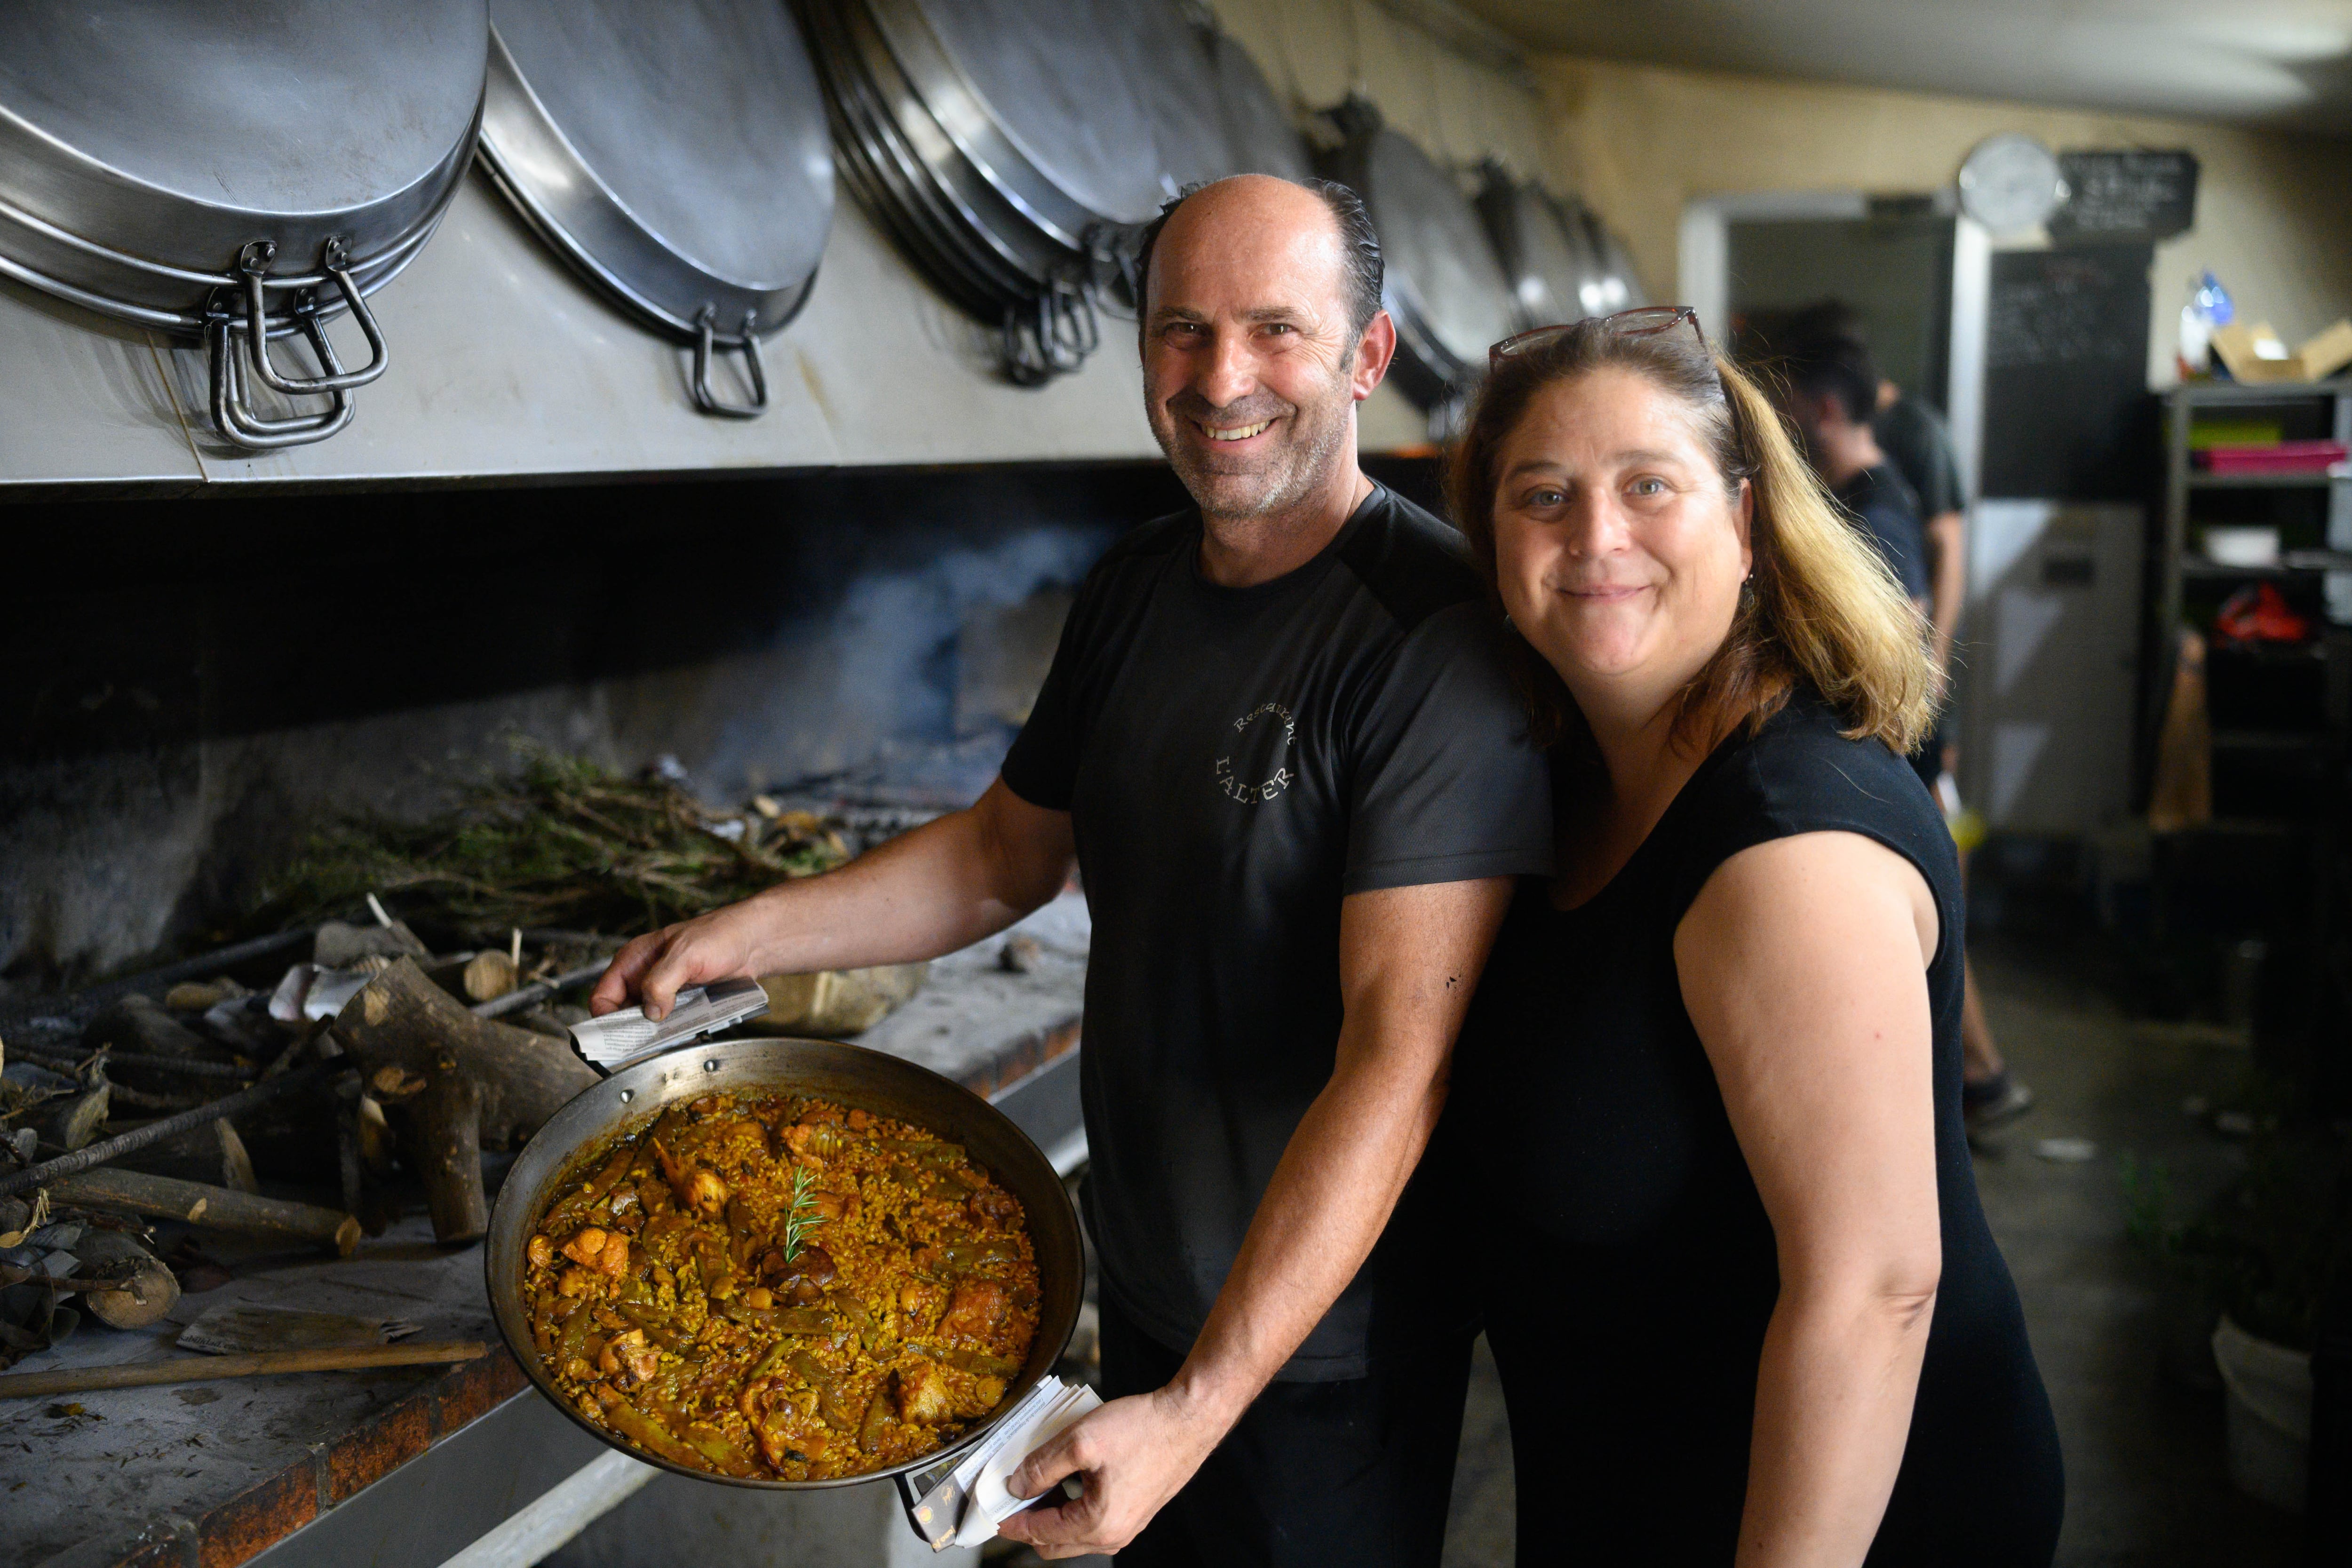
[
  {"x": 1278, "y": 741},
  {"x": 1914, "y": 437},
  {"x": 1833, "y": 389}
]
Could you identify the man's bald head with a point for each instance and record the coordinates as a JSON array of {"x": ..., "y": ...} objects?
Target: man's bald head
[
  {"x": 1260, "y": 330},
  {"x": 1251, "y": 201}
]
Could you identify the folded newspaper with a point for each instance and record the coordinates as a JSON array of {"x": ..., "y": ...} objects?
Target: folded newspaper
[
  {"x": 611, "y": 1042},
  {"x": 963, "y": 1506}
]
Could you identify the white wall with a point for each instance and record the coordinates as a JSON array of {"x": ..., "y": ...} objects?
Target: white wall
[{"x": 1458, "y": 109}]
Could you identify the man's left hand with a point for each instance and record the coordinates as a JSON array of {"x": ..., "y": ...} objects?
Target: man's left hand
[{"x": 1132, "y": 1456}]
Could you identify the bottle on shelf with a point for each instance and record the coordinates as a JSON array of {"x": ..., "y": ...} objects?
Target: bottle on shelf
[{"x": 2209, "y": 307}]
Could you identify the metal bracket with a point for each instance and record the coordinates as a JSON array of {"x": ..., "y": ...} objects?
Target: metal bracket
[
  {"x": 233, "y": 412},
  {"x": 1051, "y": 335},
  {"x": 1114, "y": 253},
  {"x": 252, "y": 265},
  {"x": 706, "y": 322}
]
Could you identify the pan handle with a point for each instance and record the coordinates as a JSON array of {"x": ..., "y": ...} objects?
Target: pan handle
[
  {"x": 1025, "y": 361},
  {"x": 233, "y": 412},
  {"x": 1073, "y": 331},
  {"x": 706, "y": 332},
  {"x": 1050, "y": 335},
  {"x": 334, "y": 260}
]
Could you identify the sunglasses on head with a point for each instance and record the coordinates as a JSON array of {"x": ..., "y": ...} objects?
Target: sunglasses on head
[{"x": 1646, "y": 322}]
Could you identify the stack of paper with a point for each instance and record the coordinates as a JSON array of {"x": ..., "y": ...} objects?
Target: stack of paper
[
  {"x": 989, "y": 1504},
  {"x": 611, "y": 1042},
  {"x": 964, "y": 1507}
]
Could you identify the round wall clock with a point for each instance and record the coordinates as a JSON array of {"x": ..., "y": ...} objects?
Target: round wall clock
[{"x": 2011, "y": 182}]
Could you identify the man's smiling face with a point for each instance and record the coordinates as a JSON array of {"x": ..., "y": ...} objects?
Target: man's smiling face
[{"x": 1250, "y": 361}]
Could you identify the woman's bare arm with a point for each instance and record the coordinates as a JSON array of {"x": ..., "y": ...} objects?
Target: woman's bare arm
[{"x": 1803, "y": 964}]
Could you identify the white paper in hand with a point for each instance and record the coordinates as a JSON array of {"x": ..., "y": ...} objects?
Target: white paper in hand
[
  {"x": 620, "y": 1037},
  {"x": 991, "y": 1505}
]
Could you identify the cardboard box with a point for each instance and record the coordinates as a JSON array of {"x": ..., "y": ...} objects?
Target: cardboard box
[{"x": 2255, "y": 353}]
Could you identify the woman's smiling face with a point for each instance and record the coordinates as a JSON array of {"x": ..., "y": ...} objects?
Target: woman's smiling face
[{"x": 1619, "y": 548}]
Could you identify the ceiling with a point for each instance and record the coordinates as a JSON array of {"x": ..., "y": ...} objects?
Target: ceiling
[{"x": 2258, "y": 62}]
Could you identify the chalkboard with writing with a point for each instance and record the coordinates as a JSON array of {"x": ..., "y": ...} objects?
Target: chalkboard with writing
[
  {"x": 2126, "y": 196},
  {"x": 2066, "y": 372}
]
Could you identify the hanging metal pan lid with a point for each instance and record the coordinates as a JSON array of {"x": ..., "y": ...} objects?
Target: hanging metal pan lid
[
  {"x": 974, "y": 230},
  {"x": 1546, "y": 252},
  {"x": 676, "y": 154},
  {"x": 1169, "y": 57},
  {"x": 1184, "y": 112},
  {"x": 1258, "y": 128},
  {"x": 1040, "y": 95},
  {"x": 1444, "y": 287},
  {"x": 1619, "y": 287},
  {"x": 144, "y": 148}
]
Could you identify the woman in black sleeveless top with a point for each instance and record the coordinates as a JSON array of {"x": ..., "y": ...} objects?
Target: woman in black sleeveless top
[{"x": 1744, "y": 1300}]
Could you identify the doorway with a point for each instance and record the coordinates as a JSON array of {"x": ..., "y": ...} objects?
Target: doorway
[{"x": 1892, "y": 266}]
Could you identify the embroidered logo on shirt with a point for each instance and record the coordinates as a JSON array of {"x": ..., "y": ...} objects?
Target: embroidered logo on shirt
[{"x": 1262, "y": 739}]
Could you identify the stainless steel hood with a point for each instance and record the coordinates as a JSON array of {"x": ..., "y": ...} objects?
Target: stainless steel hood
[{"x": 513, "y": 370}]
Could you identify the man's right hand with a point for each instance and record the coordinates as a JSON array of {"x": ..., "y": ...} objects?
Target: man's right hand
[{"x": 656, "y": 967}]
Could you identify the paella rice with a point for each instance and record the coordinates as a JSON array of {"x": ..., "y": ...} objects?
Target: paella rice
[{"x": 776, "y": 1287}]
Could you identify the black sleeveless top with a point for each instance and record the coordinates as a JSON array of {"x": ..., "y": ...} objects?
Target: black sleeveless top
[{"x": 1629, "y": 1264}]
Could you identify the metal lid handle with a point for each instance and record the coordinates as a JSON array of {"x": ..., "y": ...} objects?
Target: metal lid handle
[
  {"x": 1050, "y": 335},
  {"x": 253, "y": 264},
  {"x": 233, "y": 412},
  {"x": 1073, "y": 330},
  {"x": 705, "y": 322}
]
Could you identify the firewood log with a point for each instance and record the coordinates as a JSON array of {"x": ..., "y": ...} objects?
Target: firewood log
[{"x": 450, "y": 1084}]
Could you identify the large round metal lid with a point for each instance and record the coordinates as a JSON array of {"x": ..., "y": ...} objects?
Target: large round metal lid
[
  {"x": 1445, "y": 284},
  {"x": 1620, "y": 285},
  {"x": 1546, "y": 254},
  {"x": 1258, "y": 130},
  {"x": 1171, "y": 65},
  {"x": 170, "y": 136},
  {"x": 1048, "y": 83},
  {"x": 678, "y": 152}
]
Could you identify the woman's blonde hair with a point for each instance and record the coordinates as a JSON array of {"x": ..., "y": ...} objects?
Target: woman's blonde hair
[{"x": 1820, "y": 608}]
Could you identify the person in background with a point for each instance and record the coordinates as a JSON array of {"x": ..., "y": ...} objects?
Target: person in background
[
  {"x": 1914, "y": 437},
  {"x": 1889, "y": 461},
  {"x": 1833, "y": 400},
  {"x": 1279, "y": 741},
  {"x": 1742, "y": 1295}
]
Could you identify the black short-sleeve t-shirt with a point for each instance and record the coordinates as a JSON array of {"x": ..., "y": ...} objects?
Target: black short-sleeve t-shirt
[
  {"x": 1235, "y": 762},
  {"x": 1919, "y": 445}
]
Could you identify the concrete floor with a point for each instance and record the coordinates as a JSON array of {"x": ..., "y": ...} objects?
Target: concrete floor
[{"x": 2146, "y": 1485}]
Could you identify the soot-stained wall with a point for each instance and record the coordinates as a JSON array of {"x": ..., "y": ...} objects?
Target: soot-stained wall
[{"x": 192, "y": 686}]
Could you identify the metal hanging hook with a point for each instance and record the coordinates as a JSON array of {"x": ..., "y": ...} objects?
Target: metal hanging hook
[
  {"x": 334, "y": 260},
  {"x": 232, "y": 406},
  {"x": 705, "y": 323}
]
